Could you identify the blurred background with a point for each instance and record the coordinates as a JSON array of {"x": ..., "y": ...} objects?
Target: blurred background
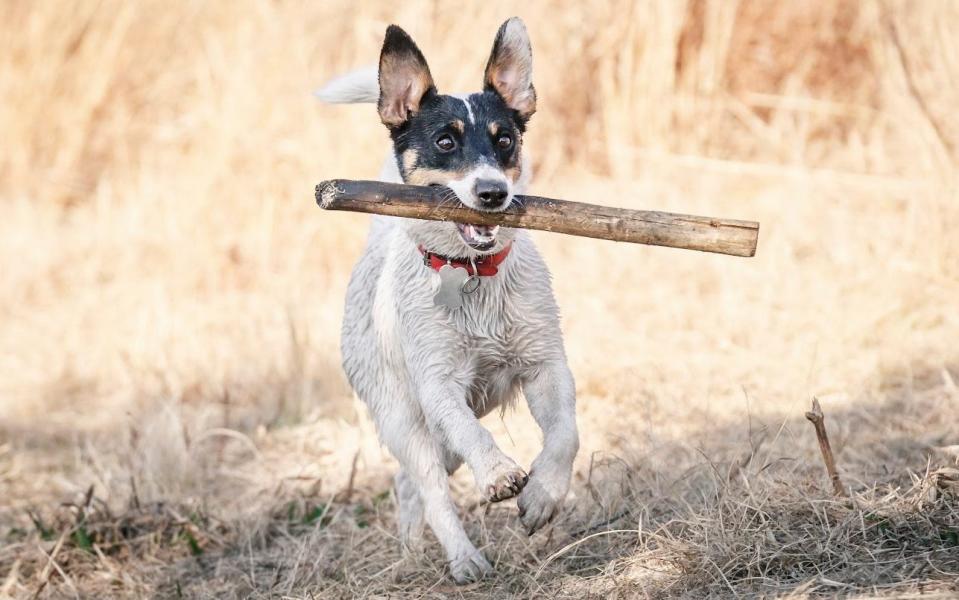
[{"x": 170, "y": 296}]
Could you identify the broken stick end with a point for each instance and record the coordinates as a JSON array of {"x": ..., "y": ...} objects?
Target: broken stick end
[
  {"x": 753, "y": 242},
  {"x": 326, "y": 192}
]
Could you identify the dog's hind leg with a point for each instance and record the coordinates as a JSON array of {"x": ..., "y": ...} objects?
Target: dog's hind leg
[
  {"x": 452, "y": 462},
  {"x": 425, "y": 470},
  {"x": 410, "y": 519}
]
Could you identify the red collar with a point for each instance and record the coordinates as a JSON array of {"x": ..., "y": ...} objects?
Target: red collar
[{"x": 486, "y": 266}]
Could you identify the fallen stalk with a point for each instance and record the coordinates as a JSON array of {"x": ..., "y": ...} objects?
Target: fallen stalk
[
  {"x": 818, "y": 419},
  {"x": 723, "y": 236}
]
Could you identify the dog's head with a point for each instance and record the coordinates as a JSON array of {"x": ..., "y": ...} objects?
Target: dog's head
[{"x": 470, "y": 144}]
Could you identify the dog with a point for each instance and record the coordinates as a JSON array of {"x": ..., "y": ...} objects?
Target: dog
[{"x": 429, "y": 371}]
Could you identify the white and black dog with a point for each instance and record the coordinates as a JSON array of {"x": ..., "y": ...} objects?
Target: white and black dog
[{"x": 427, "y": 371}]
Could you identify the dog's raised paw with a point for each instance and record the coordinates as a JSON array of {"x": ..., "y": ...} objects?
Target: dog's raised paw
[
  {"x": 507, "y": 485},
  {"x": 469, "y": 568}
]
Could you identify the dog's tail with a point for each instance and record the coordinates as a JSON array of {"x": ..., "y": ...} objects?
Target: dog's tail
[{"x": 356, "y": 87}]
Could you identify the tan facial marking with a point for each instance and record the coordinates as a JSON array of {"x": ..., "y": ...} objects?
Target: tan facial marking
[
  {"x": 458, "y": 125},
  {"x": 429, "y": 176},
  {"x": 409, "y": 159},
  {"x": 493, "y": 128}
]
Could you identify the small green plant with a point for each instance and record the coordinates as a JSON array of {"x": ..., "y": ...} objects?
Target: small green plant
[
  {"x": 360, "y": 513},
  {"x": 45, "y": 533},
  {"x": 318, "y": 514},
  {"x": 195, "y": 548},
  {"x": 81, "y": 537}
]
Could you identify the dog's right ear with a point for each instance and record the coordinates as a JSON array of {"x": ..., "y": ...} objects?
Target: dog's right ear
[{"x": 404, "y": 78}]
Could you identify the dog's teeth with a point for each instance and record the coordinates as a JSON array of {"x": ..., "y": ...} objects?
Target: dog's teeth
[{"x": 477, "y": 235}]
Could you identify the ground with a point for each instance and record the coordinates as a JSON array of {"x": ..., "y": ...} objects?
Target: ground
[{"x": 174, "y": 421}]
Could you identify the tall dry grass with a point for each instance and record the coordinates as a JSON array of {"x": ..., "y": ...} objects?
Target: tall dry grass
[{"x": 170, "y": 298}]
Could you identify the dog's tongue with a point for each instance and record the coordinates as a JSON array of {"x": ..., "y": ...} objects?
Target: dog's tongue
[{"x": 478, "y": 235}]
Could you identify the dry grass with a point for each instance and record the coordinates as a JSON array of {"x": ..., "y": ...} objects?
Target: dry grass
[{"x": 170, "y": 300}]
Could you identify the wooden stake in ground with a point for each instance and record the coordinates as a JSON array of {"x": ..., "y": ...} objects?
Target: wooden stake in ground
[
  {"x": 723, "y": 236},
  {"x": 817, "y": 418}
]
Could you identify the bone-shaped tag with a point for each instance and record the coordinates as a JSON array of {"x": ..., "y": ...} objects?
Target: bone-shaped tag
[{"x": 450, "y": 292}]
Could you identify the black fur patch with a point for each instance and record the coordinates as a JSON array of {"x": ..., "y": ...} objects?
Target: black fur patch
[{"x": 440, "y": 116}]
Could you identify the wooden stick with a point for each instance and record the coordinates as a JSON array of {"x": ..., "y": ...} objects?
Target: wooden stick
[
  {"x": 723, "y": 236},
  {"x": 817, "y": 418}
]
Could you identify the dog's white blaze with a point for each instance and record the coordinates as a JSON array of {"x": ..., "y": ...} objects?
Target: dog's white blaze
[
  {"x": 466, "y": 102},
  {"x": 469, "y": 110}
]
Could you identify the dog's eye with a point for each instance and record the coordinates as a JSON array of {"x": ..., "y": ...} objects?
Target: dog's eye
[
  {"x": 445, "y": 142},
  {"x": 504, "y": 141}
]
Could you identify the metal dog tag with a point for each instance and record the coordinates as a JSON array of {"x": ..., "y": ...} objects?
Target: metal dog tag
[
  {"x": 471, "y": 284},
  {"x": 453, "y": 283}
]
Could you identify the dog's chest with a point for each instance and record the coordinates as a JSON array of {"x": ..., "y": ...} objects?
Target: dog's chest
[
  {"x": 490, "y": 337},
  {"x": 487, "y": 324},
  {"x": 494, "y": 375}
]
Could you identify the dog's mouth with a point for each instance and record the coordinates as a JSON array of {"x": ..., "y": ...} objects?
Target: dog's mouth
[{"x": 478, "y": 237}]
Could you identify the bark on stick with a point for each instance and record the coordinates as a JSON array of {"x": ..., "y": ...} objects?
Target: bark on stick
[{"x": 723, "y": 236}]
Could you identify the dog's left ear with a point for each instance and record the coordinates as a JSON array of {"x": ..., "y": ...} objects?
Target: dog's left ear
[{"x": 509, "y": 71}]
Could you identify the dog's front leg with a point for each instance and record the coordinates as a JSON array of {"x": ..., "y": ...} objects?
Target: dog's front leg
[
  {"x": 452, "y": 420},
  {"x": 551, "y": 394}
]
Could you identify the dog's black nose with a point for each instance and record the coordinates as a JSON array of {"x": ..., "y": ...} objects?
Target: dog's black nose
[{"x": 490, "y": 192}]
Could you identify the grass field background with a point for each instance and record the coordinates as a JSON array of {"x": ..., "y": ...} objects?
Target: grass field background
[{"x": 173, "y": 418}]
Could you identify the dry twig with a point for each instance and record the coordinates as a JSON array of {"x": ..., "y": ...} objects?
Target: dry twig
[{"x": 817, "y": 418}]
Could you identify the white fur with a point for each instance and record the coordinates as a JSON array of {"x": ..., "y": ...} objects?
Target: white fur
[
  {"x": 427, "y": 373},
  {"x": 463, "y": 187},
  {"x": 469, "y": 109},
  {"x": 356, "y": 87}
]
